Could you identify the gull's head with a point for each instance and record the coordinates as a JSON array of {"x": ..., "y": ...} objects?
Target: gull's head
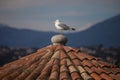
[{"x": 57, "y": 21}]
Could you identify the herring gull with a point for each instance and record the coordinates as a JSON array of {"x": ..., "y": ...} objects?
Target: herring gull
[{"x": 62, "y": 27}]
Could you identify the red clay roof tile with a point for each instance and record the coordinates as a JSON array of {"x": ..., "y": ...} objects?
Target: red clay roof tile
[
  {"x": 72, "y": 69},
  {"x": 56, "y": 55},
  {"x": 115, "y": 70},
  {"x": 55, "y": 67},
  {"x": 107, "y": 70},
  {"x": 87, "y": 63},
  {"x": 72, "y": 55},
  {"x": 58, "y": 62},
  {"x": 98, "y": 70},
  {"x": 75, "y": 76},
  {"x": 115, "y": 77},
  {"x": 106, "y": 77},
  {"x": 104, "y": 64},
  {"x": 81, "y": 69},
  {"x": 67, "y": 49},
  {"x": 54, "y": 75},
  {"x": 63, "y": 61},
  {"x": 89, "y": 70},
  {"x": 64, "y": 68},
  {"x": 69, "y": 62},
  {"x": 81, "y": 56},
  {"x": 77, "y": 62},
  {"x": 63, "y": 55},
  {"x": 59, "y": 48},
  {"x": 64, "y": 76},
  {"x": 86, "y": 76},
  {"x": 96, "y": 76}
]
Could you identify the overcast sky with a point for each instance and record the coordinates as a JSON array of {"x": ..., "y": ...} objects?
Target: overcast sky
[{"x": 40, "y": 14}]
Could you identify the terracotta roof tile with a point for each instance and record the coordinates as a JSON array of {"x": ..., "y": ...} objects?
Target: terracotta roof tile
[
  {"x": 59, "y": 48},
  {"x": 72, "y": 55},
  {"x": 67, "y": 49},
  {"x": 45, "y": 72},
  {"x": 77, "y": 62},
  {"x": 69, "y": 62},
  {"x": 89, "y": 70},
  {"x": 63, "y": 61},
  {"x": 106, "y": 77},
  {"x": 35, "y": 73},
  {"x": 81, "y": 69},
  {"x": 71, "y": 49},
  {"x": 58, "y": 62},
  {"x": 54, "y": 75},
  {"x": 115, "y": 71},
  {"x": 96, "y": 76},
  {"x": 115, "y": 77},
  {"x": 72, "y": 69},
  {"x": 64, "y": 68},
  {"x": 107, "y": 70},
  {"x": 98, "y": 70},
  {"x": 75, "y": 76},
  {"x": 86, "y": 76},
  {"x": 65, "y": 76},
  {"x": 63, "y": 55},
  {"x": 55, "y": 67},
  {"x": 104, "y": 64},
  {"x": 87, "y": 63},
  {"x": 56, "y": 55}
]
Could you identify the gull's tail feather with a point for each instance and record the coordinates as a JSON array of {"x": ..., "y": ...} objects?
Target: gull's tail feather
[{"x": 72, "y": 28}]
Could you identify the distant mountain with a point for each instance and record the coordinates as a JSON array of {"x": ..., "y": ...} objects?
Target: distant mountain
[
  {"x": 23, "y": 38},
  {"x": 106, "y": 33}
]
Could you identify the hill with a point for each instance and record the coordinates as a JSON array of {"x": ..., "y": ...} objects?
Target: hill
[
  {"x": 23, "y": 37},
  {"x": 106, "y": 32}
]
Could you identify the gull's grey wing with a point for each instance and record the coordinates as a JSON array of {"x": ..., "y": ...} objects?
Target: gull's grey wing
[{"x": 64, "y": 26}]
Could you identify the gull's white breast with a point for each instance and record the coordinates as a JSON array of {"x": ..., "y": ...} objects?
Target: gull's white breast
[{"x": 57, "y": 26}]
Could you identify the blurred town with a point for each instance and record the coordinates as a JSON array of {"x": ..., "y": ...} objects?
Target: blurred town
[
  {"x": 108, "y": 54},
  {"x": 111, "y": 54},
  {"x": 9, "y": 54}
]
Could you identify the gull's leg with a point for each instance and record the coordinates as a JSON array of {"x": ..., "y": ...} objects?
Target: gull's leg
[{"x": 60, "y": 31}]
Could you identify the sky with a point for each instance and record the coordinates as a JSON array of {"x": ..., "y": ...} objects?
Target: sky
[{"x": 40, "y": 14}]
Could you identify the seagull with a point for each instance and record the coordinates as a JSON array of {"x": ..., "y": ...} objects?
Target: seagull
[{"x": 62, "y": 27}]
